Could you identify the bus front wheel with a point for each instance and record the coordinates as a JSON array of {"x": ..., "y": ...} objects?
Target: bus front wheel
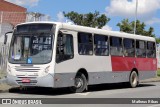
[
  {"x": 80, "y": 83},
  {"x": 133, "y": 80}
]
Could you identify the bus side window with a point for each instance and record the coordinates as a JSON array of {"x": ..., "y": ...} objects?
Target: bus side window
[
  {"x": 101, "y": 45},
  {"x": 129, "y": 47},
  {"x": 116, "y": 46},
  {"x": 140, "y": 48},
  {"x": 85, "y": 43},
  {"x": 64, "y": 47},
  {"x": 151, "y": 50}
]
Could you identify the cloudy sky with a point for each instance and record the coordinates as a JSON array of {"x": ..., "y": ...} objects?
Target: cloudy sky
[{"x": 117, "y": 10}]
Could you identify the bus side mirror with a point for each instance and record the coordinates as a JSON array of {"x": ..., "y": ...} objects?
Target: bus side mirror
[{"x": 6, "y": 37}]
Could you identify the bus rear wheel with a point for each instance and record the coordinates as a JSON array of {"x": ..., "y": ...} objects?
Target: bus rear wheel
[
  {"x": 80, "y": 83},
  {"x": 133, "y": 80}
]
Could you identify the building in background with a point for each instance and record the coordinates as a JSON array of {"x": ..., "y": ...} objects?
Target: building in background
[{"x": 10, "y": 15}]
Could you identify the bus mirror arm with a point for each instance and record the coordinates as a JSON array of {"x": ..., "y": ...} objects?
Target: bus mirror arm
[{"x": 6, "y": 37}]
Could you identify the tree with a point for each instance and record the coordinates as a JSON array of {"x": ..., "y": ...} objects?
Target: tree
[
  {"x": 128, "y": 27},
  {"x": 36, "y": 16},
  {"x": 157, "y": 40},
  {"x": 89, "y": 19},
  {"x": 125, "y": 26}
]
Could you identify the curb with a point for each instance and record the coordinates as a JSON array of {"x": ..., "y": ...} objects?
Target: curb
[
  {"x": 156, "y": 79},
  {"x": 4, "y": 91}
]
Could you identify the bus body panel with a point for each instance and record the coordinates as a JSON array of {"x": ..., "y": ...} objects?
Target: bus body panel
[
  {"x": 146, "y": 64},
  {"x": 35, "y": 74},
  {"x": 45, "y": 81},
  {"x": 65, "y": 71},
  {"x": 121, "y": 64},
  {"x": 146, "y": 67}
]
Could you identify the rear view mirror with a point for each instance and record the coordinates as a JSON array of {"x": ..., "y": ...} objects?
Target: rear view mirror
[{"x": 6, "y": 37}]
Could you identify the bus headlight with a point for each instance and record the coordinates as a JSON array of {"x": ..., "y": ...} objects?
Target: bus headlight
[{"x": 47, "y": 69}]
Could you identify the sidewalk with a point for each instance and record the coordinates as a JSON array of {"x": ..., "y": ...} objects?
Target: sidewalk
[
  {"x": 3, "y": 86},
  {"x": 156, "y": 79}
]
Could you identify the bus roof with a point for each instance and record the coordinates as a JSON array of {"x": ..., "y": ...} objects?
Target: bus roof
[{"x": 79, "y": 28}]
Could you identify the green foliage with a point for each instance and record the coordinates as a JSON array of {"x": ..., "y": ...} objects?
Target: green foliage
[
  {"x": 125, "y": 26},
  {"x": 158, "y": 72},
  {"x": 157, "y": 40},
  {"x": 128, "y": 27},
  {"x": 89, "y": 19}
]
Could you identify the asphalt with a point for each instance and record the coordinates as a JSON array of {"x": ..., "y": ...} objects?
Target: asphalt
[{"x": 144, "y": 90}]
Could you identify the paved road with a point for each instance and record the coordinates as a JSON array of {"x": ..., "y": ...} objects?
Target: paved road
[{"x": 145, "y": 90}]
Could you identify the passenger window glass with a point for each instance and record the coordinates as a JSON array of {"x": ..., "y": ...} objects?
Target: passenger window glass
[
  {"x": 151, "y": 51},
  {"x": 140, "y": 48},
  {"x": 116, "y": 46},
  {"x": 101, "y": 45},
  {"x": 85, "y": 44},
  {"x": 129, "y": 47},
  {"x": 64, "y": 47}
]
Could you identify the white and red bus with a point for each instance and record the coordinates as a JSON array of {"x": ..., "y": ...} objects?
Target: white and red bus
[{"x": 50, "y": 54}]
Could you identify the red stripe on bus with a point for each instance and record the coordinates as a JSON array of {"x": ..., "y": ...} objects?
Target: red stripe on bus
[{"x": 128, "y": 63}]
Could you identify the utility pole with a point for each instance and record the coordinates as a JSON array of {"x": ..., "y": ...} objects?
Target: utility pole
[{"x": 135, "y": 23}]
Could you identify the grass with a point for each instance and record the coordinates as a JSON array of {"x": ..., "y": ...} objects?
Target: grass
[{"x": 158, "y": 72}]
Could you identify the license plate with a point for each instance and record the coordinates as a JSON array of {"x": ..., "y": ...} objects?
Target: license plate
[{"x": 25, "y": 80}]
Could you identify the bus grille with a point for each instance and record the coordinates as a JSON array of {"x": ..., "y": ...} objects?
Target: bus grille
[
  {"x": 32, "y": 82},
  {"x": 27, "y": 69},
  {"x": 27, "y": 72}
]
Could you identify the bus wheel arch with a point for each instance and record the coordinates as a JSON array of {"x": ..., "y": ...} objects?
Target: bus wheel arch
[
  {"x": 136, "y": 70},
  {"x": 83, "y": 71},
  {"x": 80, "y": 81},
  {"x": 134, "y": 78}
]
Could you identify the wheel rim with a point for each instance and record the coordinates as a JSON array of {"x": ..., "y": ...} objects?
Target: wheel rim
[
  {"x": 134, "y": 79},
  {"x": 78, "y": 82}
]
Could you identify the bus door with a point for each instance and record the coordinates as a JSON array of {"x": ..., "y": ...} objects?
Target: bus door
[{"x": 65, "y": 66}]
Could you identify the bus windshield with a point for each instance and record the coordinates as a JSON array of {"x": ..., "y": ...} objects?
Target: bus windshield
[{"x": 31, "y": 47}]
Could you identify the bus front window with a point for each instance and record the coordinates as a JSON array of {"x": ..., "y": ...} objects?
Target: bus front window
[{"x": 31, "y": 48}]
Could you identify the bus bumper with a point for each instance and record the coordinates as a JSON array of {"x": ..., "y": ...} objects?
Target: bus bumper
[{"x": 46, "y": 81}]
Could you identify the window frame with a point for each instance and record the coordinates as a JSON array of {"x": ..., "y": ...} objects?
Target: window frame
[
  {"x": 78, "y": 33},
  {"x": 154, "y": 50},
  {"x": 64, "y": 54},
  {"x": 94, "y": 36},
  {"x": 139, "y": 48},
  {"x": 114, "y": 46},
  {"x": 133, "y": 48}
]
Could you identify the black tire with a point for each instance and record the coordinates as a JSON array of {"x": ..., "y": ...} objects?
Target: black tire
[
  {"x": 133, "y": 79},
  {"x": 80, "y": 83}
]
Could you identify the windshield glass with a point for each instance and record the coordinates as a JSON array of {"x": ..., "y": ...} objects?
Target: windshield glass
[{"x": 31, "y": 48}]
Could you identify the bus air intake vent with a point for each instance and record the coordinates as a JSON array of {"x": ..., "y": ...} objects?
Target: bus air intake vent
[{"x": 27, "y": 69}]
